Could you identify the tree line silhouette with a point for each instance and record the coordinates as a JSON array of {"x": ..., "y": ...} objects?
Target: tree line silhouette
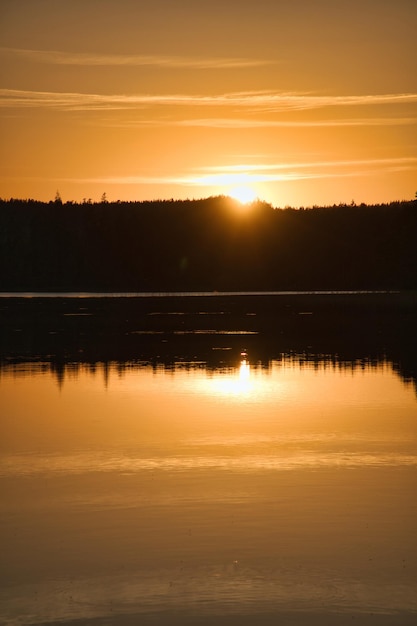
[{"x": 208, "y": 244}]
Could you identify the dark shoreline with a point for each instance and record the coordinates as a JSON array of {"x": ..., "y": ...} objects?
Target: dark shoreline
[
  {"x": 344, "y": 328},
  {"x": 198, "y": 294}
]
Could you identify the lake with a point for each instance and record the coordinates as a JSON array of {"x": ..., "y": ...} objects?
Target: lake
[{"x": 207, "y": 459}]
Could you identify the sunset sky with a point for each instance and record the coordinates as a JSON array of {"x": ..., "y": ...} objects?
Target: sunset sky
[{"x": 298, "y": 102}]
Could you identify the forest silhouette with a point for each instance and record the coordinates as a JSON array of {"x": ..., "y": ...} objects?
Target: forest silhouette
[{"x": 205, "y": 245}]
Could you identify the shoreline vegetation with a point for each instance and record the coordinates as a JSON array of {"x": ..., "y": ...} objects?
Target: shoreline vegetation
[
  {"x": 209, "y": 245},
  {"x": 337, "y": 330}
]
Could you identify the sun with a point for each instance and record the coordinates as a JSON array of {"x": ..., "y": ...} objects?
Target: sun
[{"x": 243, "y": 193}]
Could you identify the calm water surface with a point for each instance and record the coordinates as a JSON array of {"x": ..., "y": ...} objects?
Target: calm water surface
[{"x": 244, "y": 494}]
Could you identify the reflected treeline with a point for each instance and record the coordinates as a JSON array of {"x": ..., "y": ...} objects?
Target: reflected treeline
[
  {"x": 111, "y": 369},
  {"x": 67, "y": 335},
  {"x": 205, "y": 245}
]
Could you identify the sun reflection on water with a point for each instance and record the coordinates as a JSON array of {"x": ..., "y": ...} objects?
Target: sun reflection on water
[{"x": 236, "y": 384}]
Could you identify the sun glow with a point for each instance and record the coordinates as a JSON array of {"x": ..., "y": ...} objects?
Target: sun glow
[
  {"x": 243, "y": 194},
  {"x": 238, "y": 384}
]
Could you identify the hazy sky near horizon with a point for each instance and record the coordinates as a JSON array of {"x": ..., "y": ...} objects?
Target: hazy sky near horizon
[{"x": 300, "y": 102}]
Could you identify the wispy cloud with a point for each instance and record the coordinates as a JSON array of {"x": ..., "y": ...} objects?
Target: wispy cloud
[
  {"x": 229, "y": 123},
  {"x": 280, "y": 172},
  {"x": 410, "y": 161},
  {"x": 134, "y": 60},
  {"x": 255, "y": 101},
  {"x": 225, "y": 176},
  {"x": 242, "y": 123}
]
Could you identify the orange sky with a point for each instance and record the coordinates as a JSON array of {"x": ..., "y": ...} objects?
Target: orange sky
[{"x": 300, "y": 102}]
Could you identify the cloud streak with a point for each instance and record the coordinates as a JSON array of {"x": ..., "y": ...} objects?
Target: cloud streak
[
  {"x": 247, "y": 124},
  {"x": 54, "y": 57},
  {"x": 263, "y": 173},
  {"x": 255, "y": 101},
  {"x": 230, "y": 123},
  {"x": 314, "y": 164},
  {"x": 279, "y": 172}
]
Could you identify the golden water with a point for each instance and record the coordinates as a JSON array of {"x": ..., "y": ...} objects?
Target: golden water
[{"x": 248, "y": 491}]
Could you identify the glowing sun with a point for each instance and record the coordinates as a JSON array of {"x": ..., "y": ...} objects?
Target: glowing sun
[{"x": 243, "y": 194}]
